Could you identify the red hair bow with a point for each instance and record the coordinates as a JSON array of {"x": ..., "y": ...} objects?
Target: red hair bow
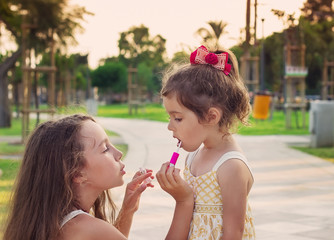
[{"x": 219, "y": 61}]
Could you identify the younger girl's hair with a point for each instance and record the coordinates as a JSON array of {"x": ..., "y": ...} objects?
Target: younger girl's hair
[
  {"x": 44, "y": 191},
  {"x": 199, "y": 87}
]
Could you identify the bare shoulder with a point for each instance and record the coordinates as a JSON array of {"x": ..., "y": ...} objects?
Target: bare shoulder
[
  {"x": 86, "y": 227},
  {"x": 235, "y": 172}
]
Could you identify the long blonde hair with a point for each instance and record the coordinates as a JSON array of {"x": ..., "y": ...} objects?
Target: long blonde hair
[{"x": 43, "y": 192}]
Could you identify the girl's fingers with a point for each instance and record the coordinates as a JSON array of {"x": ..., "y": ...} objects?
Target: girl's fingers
[
  {"x": 139, "y": 173},
  {"x": 161, "y": 176},
  {"x": 138, "y": 179},
  {"x": 177, "y": 176},
  {"x": 170, "y": 175}
]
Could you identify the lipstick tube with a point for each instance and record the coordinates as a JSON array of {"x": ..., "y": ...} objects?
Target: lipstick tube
[{"x": 175, "y": 155}]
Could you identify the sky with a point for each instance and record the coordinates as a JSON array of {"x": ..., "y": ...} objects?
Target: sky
[{"x": 175, "y": 20}]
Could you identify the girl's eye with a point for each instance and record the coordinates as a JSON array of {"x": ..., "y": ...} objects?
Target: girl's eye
[
  {"x": 175, "y": 119},
  {"x": 106, "y": 150}
]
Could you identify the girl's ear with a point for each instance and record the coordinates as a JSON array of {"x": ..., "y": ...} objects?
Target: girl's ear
[
  {"x": 213, "y": 116},
  {"x": 80, "y": 178}
]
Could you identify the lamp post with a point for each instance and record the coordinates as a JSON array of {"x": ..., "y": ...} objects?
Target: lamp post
[{"x": 262, "y": 59}]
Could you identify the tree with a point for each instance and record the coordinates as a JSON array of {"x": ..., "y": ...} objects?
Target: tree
[
  {"x": 145, "y": 78},
  {"x": 136, "y": 46},
  {"x": 210, "y": 37},
  {"x": 317, "y": 22},
  {"x": 46, "y": 20},
  {"x": 181, "y": 57},
  {"x": 274, "y": 70},
  {"x": 318, "y": 10},
  {"x": 110, "y": 78}
]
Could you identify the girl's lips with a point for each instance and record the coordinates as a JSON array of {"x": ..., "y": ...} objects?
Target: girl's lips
[
  {"x": 177, "y": 138},
  {"x": 179, "y": 142}
]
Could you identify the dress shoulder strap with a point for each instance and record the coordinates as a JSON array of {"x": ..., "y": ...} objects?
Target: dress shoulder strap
[
  {"x": 231, "y": 155},
  {"x": 72, "y": 215},
  {"x": 191, "y": 157}
]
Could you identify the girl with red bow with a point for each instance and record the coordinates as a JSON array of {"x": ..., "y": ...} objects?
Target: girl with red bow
[{"x": 206, "y": 100}]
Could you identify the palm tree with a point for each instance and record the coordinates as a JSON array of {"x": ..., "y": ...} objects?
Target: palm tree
[{"x": 210, "y": 37}]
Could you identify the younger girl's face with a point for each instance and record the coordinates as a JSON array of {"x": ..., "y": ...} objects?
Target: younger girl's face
[
  {"x": 103, "y": 168},
  {"x": 184, "y": 124}
]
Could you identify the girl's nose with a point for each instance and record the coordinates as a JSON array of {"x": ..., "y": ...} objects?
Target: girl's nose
[
  {"x": 170, "y": 127},
  {"x": 118, "y": 154}
]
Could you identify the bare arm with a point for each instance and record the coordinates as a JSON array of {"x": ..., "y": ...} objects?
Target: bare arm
[
  {"x": 235, "y": 181},
  {"x": 170, "y": 181},
  {"x": 131, "y": 202}
]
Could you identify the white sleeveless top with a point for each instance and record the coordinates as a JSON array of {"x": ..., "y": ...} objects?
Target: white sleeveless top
[{"x": 72, "y": 215}]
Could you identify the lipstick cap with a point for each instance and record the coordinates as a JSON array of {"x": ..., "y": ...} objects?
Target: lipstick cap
[{"x": 174, "y": 158}]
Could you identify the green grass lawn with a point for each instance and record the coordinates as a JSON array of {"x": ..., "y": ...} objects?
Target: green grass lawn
[
  {"x": 9, "y": 169},
  {"x": 157, "y": 112},
  {"x": 325, "y": 153},
  {"x": 10, "y": 149},
  {"x": 16, "y": 127},
  {"x": 276, "y": 125},
  {"x": 154, "y": 112}
]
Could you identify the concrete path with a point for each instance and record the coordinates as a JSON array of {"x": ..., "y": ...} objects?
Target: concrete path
[{"x": 292, "y": 198}]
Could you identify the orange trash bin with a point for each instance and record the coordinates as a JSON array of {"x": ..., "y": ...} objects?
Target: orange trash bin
[{"x": 261, "y": 106}]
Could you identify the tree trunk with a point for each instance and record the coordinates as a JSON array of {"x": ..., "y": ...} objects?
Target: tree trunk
[{"x": 5, "y": 112}]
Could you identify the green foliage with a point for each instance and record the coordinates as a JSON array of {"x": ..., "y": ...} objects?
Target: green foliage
[
  {"x": 318, "y": 10},
  {"x": 137, "y": 46},
  {"x": 274, "y": 58},
  {"x": 181, "y": 57},
  {"x": 146, "y": 53},
  {"x": 145, "y": 76},
  {"x": 319, "y": 39},
  {"x": 81, "y": 74},
  {"x": 237, "y": 51},
  {"x": 57, "y": 16},
  {"x": 110, "y": 76}
]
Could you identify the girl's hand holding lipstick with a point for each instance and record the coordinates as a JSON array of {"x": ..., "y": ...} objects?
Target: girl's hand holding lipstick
[{"x": 170, "y": 180}]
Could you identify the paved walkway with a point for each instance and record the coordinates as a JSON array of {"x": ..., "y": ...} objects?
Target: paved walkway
[{"x": 292, "y": 198}]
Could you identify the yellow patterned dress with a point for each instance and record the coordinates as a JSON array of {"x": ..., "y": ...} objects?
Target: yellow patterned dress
[{"x": 207, "y": 222}]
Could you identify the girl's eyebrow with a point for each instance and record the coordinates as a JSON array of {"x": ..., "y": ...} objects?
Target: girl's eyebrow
[
  {"x": 173, "y": 112},
  {"x": 105, "y": 140}
]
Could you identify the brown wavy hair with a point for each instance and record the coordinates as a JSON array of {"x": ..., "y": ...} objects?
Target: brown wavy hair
[
  {"x": 199, "y": 87},
  {"x": 43, "y": 192}
]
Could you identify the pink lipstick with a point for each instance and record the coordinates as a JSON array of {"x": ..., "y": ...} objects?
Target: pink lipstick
[{"x": 175, "y": 155}]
